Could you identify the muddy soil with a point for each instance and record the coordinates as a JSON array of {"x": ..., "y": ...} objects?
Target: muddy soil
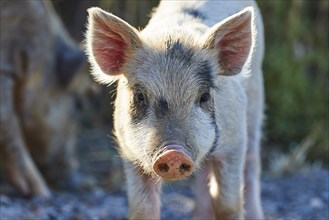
[{"x": 303, "y": 195}]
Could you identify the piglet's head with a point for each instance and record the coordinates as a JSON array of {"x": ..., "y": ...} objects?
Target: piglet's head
[{"x": 168, "y": 101}]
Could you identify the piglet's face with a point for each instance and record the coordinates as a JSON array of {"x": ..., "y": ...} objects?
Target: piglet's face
[{"x": 165, "y": 116}]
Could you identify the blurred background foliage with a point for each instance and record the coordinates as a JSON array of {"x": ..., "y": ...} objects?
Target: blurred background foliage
[
  {"x": 295, "y": 70},
  {"x": 296, "y": 75}
]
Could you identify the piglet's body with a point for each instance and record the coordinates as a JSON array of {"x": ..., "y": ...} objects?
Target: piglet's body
[{"x": 189, "y": 100}]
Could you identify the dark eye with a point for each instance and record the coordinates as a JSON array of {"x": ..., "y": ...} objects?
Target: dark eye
[
  {"x": 205, "y": 97},
  {"x": 140, "y": 96},
  {"x": 139, "y": 104}
]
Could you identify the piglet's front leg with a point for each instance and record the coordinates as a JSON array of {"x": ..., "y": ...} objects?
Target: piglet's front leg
[
  {"x": 143, "y": 193},
  {"x": 226, "y": 188},
  {"x": 203, "y": 207}
]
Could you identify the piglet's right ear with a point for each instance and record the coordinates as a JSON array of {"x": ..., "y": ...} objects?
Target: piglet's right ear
[
  {"x": 232, "y": 41},
  {"x": 110, "y": 43}
]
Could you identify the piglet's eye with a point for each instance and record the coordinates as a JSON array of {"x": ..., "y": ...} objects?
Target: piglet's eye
[
  {"x": 205, "y": 97},
  {"x": 140, "y": 96}
]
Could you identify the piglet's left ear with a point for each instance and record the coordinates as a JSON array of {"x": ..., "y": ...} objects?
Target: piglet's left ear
[{"x": 232, "y": 41}]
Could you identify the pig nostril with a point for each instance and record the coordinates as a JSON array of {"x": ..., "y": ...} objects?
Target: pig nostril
[
  {"x": 184, "y": 168},
  {"x": 163, "y": 167}
]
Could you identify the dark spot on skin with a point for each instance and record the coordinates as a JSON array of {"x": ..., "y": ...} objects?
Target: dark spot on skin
[
  {"x": 139, "y": 105},
  {"x": 205, "y": 76},
  {"x": 194, "y": 13},
  {"x": 178, "y": 54},
  {"x": 161, "y": 108},
  {"x": 176, "y": 51},
  {"x": 216, "y": 140}
]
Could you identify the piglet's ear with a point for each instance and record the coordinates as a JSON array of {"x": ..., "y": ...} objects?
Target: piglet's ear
[
  {"x": 231, "y": 40},
  {"x": 110, "y": 44}
]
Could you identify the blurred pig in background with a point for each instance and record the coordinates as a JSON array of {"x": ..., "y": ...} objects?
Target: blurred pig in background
[{"x": 39, "y": 87}]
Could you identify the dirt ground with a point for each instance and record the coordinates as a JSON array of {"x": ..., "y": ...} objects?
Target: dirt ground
[{"x": 303, "y": 195}]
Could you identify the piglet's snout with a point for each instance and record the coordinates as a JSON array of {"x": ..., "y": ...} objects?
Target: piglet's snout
[{"x": 173, "y": 163}]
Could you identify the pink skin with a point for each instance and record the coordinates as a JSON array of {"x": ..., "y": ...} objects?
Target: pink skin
[{"x": 173, "y": 163}]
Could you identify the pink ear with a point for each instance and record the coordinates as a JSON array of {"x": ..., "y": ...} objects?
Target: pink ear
[
  {"x": 110, "y": 41},
  {"x": 232, "y": 40}
]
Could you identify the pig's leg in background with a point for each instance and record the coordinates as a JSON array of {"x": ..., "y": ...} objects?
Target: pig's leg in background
[
  {"x": 143, "y": 194},
  {"x": 67, "y": 174},
  {"x": 203, "y": 207},
  {"x": 17, "y": 161},
  {"x": 253, "y": 208},
  {"x": 226, "y": 186}
]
